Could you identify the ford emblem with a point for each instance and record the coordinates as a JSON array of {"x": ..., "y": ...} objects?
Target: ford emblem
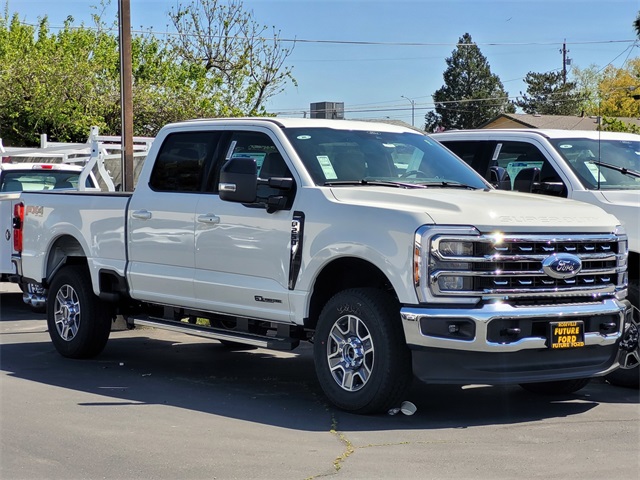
[{"x": 562, "y": 265}]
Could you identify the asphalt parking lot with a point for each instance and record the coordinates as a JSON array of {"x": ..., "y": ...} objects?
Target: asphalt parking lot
[{"x": 160, "y": 405}]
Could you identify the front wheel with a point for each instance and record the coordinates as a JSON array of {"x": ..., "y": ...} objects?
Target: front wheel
[
  {"x": 559, "y": 387},
  {"x": 361, "y": 358},
  {"x": 78, "y": 321}
]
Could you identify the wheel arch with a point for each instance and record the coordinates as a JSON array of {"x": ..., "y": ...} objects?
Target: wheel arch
[
  {"x": 64, "y": 250},
  {"x": 341, "y": 274}
]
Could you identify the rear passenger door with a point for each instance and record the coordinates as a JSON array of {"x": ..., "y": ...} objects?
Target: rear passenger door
[{"x": 162, "y": 221}]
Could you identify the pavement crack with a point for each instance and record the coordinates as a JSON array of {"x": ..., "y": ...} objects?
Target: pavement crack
[{"x": 348, "y": 446}]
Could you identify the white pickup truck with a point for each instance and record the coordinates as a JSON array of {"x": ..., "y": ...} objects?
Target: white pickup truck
[
  {"x": 16, "y": 177},
  {"x": 602, "y": 168},
  {"x": 268, "y": 232}
]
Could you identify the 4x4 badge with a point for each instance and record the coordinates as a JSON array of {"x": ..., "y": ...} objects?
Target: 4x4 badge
[{"x": 562, "y": 265}]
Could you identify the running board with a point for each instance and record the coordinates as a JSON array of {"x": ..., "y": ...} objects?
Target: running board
[{"x": 262, "y": 341}]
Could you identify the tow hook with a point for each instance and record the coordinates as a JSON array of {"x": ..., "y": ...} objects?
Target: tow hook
[{"x": 629, "y": 356}]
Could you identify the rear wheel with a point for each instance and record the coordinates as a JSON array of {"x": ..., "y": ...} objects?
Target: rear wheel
[
  {"x": 78, "y": 321},
  {"x": 560, "y": 387},
  {"x": 361, "y": 358}
]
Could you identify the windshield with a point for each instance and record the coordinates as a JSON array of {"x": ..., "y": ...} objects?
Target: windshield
[
  {"x": 36, "y": 180},
  {"x": 334, "y": 157},
  {"x": 583, "y": 156}
]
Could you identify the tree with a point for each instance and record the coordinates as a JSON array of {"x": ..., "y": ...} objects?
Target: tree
[
  {"x": 62, "y": 83},
  {"x": 239, "y": 56},
  {"x": 587, "y": 82},
  {"x": 617, "y": 89},
  {"x": 548, "y": 94},
  {"x": 49, "y": 83},
  {"x": 636, "y": 25},
  {"x": 471, "y": 94}
]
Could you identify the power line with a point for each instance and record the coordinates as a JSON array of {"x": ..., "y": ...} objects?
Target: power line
[{"x": 342, "y": 42}]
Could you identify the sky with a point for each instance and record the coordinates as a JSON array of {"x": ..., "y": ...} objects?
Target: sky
[{"x": 386, "y": 58}]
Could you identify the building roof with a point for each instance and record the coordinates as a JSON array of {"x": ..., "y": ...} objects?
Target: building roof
[{"x": 561, "y": 122}]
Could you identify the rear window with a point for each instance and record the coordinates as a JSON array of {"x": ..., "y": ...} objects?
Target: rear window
[{"x": 39, "y": 180}]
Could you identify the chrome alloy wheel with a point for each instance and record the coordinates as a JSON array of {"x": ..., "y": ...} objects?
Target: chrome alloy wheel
[
  {"x": 350, "y": 353},
  {"x": 67, "y": 313}
]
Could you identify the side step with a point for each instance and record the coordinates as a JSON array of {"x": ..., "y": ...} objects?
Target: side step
[{"x": 262, "y": 341}]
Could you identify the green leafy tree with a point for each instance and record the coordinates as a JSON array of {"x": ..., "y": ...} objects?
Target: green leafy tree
[
  {"x": 587, "y": 82},
  {"x": 471, "y": 94},
  {"x": 62, "y": 83},
  {"x": 548, "y": 94}
]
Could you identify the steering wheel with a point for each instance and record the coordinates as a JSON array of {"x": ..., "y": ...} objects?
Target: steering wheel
[{"x": 417, "y": 173}]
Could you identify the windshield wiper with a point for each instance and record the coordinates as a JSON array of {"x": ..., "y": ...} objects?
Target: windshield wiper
[
  {"x": 622, "y": 170},
  {"x": 375, "y": 183},
  {"x": 448, "y": 184}
]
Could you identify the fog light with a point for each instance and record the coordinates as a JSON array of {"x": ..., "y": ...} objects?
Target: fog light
[{"x": 454, "y": 283}]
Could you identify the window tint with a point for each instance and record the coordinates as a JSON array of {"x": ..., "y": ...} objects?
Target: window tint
[
  {"x": 181, "y": 160},
  {"x": 475, "y": 153}
]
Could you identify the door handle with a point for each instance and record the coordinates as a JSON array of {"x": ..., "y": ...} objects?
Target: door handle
[
  {"x": 141, "y": 214},
  {"x": 209, "y": 218}
]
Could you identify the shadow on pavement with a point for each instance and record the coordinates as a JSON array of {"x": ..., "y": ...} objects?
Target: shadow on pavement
[{"x": 149, "y": 366}]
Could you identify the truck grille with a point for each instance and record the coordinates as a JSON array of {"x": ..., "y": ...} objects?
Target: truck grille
[{"x": 526, "y": 265}]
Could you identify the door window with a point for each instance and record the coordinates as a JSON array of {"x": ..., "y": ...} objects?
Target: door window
[{"x": 181, "y": 161}]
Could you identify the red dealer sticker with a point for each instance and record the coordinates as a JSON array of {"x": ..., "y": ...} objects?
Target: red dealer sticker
[{"x": 566, "y": 334}]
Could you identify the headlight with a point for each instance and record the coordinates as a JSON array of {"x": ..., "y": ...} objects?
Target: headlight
[{"x": 451, "y": 248}]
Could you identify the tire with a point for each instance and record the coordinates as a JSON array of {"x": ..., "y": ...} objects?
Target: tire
[
  {"x": 560, "y": 387},
  {"x": 629, "y": 377},
  {"x": 79, "y": 323},
  {"x": 361, "y": 358}
]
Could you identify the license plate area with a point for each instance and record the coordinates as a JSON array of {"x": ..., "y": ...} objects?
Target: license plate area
[{"x": 566, "y": 334}]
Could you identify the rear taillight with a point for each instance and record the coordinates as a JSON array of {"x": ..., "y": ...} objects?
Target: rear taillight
[{"x": 18, "y": 220}]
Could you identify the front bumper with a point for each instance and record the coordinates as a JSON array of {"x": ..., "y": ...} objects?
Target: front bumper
[{"x": 499, "y": 343}]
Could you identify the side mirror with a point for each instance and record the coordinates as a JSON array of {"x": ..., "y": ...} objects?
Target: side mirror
[
  {"x": 499, "y": 178},
  {"x": 527, "y": 180},
  {"x": 238, "y": 180}
]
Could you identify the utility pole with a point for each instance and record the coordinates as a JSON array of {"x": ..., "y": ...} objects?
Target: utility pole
[
  {"x": 565, "y": 61},
  {"x": 413, "y": 109},
  {"x": 126, "y": 96}
]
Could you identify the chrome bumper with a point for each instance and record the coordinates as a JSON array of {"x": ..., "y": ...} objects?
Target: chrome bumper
[{"x": 483, "y": 316}]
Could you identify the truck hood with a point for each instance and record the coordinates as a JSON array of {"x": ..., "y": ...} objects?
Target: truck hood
[
  {"x": 629, "y": 198},
  {"x": 486, "y": 210}
]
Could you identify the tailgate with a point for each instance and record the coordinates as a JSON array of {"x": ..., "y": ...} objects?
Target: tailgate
[{"x": 6, "y": 230}]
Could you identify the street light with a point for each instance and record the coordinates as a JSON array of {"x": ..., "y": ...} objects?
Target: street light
[{"x": 413, "y": 109}]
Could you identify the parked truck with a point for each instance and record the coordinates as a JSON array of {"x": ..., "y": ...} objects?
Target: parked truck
[
  {"x": 602, "y": 168},
  {"x": 269, "y": 232}
]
